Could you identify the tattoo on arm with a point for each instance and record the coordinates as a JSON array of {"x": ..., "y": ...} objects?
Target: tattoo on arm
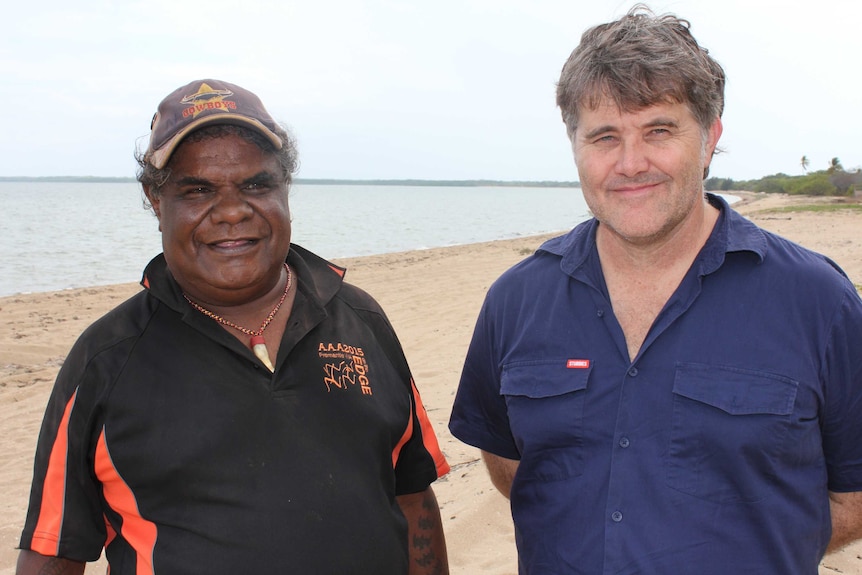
[
  {"x": 424, "y": 553},
  {"x": 54, "y": 566}
]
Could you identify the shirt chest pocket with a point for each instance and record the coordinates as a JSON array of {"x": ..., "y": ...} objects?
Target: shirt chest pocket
[
  {"x": 545, "y": 401},
  {"x": 728, "y": 430}
]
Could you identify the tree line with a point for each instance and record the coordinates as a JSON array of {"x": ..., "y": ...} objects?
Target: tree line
[{"x": 833, "y": 181}]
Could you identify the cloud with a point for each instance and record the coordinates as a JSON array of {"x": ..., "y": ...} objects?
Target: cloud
[{"x": 378, "y": 88}]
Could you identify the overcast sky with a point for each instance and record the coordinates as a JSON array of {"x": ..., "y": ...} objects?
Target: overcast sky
[{"x": 450, "y": 89}]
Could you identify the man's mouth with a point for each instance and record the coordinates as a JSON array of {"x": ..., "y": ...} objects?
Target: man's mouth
[{"x": 232, "y": 244}]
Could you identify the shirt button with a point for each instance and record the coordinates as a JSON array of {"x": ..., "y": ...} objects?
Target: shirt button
[
  {"x": 633, "y": 372},
  {"x": 617, "y": 516},
  {"x": 624, "y": 442},
  {"x": 600, "y": 313}
]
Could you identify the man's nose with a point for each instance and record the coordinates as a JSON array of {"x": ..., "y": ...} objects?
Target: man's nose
[
  {"x": 231, "y": 207},
  {"x": 632, "y": 159}
]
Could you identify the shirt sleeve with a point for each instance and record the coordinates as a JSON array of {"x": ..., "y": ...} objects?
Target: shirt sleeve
[
  {"x": 479, "y": 414},
  {"x": 842, "y": 425},
  {"x": 420, "y": 462},
  {"x": 64, "y": 518},
  {"x": 417, "y": 458}
]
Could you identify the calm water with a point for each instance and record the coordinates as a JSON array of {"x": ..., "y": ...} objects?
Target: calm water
[{"x": 66, "y": 235}]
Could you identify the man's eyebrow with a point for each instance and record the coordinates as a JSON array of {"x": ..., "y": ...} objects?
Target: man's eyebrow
[
  {"x": 659, "y": 122},
  {"x": 654, "y": 123},
  {"x": 599, "y": 130},
  {"x": 263, "y": 177},
  {"x": 191, "y": 181}
]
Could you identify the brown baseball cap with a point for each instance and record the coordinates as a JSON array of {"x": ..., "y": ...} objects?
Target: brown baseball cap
[{"x": 200, "y": 103}]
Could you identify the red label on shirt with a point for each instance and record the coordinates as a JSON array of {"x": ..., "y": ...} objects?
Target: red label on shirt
[{"x": 578, "y": 364}]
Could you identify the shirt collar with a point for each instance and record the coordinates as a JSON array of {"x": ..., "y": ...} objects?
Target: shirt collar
[
  {"x": 319, "y": 279},
  {"x": 732, "y": 233}
]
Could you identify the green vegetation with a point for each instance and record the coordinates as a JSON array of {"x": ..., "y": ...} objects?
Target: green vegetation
[{"x": 833, "y": 181}]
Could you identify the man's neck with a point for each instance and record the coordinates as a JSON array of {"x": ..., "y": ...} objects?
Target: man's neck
[
  {"x": 641, "y": 278},
  {"x": 677, "y": 248}
]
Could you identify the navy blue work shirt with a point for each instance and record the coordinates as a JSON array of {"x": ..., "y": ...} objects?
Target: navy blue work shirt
[{"x": 713, "y": 451}]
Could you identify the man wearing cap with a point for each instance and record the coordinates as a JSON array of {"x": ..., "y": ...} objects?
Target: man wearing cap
[{"x": 248, "y": 411}]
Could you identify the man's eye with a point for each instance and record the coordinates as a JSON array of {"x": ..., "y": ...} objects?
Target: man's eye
[{"x": 194, "y": 192}]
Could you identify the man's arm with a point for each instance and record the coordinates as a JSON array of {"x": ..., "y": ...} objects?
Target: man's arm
[
  {"x": 502, "y": 471},
  {"x": 846, "y": 511},
  {"x": 425, "y": 541},
  {"x": 32, "y": 563}
]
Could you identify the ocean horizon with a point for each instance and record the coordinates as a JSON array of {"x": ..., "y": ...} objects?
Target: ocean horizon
[{"x": 64, "y": 235}]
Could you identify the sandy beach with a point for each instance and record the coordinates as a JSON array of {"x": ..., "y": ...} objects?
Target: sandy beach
[{"x": 432, "y": 298}]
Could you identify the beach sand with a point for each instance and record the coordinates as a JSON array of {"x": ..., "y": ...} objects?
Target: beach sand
[{"x": 432, "y": 298}]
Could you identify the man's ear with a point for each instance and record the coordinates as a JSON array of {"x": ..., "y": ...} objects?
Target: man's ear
[
  {"x": 710, "y": 145},
  {"x": 712, "y": 137}
]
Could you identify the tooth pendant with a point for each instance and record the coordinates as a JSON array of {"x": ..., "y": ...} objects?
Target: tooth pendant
[{"x": 258, "y": 346}]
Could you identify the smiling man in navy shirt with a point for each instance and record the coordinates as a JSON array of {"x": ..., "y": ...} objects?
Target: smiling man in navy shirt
[{"x": 667, "y": 388}]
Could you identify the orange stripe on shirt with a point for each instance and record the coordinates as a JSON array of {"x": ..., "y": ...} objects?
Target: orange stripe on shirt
[
  {"x": 428, "y": 436},
  {"x": 46, "y": 535},
  {"x": 137, "y": 531},
  {"x": 429, "y": 440},
  {"x": 408, "y": 433},
  {"x": 338, "y": 270}
]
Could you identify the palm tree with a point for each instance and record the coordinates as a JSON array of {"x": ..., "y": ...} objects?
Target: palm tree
[
  {"x": 805, "y": 163},
  {"x": 835, "y": 166}
]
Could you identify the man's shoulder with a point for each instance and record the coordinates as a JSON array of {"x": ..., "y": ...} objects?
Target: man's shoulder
[
  {"x": 359, "y": 301},
  {"x": 795, "y": 258},
  {"x": 547, "y": 261},
  {"x": 106, "y": 344},
  {"x": 812, "y": 276},
  {"x": 125, "y": 321},
  {"x": 775, "y": 251}
]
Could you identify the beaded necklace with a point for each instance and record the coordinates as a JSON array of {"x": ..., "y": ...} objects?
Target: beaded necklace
[{"x": 258, "y": 344}]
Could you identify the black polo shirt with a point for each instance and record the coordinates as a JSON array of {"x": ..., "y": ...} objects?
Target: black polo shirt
[{"x": 167, "y": 443}]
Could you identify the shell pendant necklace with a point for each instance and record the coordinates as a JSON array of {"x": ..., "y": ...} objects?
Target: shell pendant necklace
[{"x": 258, "y": 344}]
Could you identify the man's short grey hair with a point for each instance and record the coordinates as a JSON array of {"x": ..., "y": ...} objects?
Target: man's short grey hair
[{"x": 638, "y": 61}]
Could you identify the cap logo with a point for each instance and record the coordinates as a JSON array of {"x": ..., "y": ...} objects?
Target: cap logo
[
  {"x": 198, "y": 104},
  {"x": 206, "y": 98}
]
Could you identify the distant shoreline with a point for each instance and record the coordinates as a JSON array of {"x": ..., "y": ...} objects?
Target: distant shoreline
[{"x": 320, "y": 181}]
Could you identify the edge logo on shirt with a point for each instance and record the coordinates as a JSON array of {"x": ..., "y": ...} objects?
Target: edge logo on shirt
[{"x": 345, "y": 368}]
